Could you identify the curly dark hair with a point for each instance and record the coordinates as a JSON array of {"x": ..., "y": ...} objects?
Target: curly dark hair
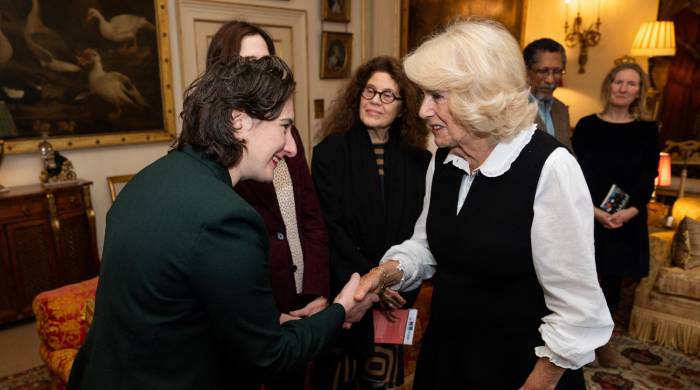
[
  {"x": 258, "y": 87},
  {"x": 345, "y": 110},
  {"x": 226, "y": 43}
]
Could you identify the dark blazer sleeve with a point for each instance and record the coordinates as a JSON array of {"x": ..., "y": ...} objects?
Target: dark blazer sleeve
[
  {"x": 328, "y": 172},
  {"x": 641, "y": 193},
  {"x": 312, "y": 229},
  {"x": 228, "y": 272}
]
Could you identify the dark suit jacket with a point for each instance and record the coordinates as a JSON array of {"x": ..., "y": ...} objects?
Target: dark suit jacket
[
  {"x": 311, "y": 228},
  {"x": 184, "y": 299},
  {"x": 560, "y": 119}
]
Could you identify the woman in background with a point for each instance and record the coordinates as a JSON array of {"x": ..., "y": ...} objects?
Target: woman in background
[
  {"x": 369, "y": 171},
  {"x": 617, "y": 147},
  {"x": 298, "y": 257}
]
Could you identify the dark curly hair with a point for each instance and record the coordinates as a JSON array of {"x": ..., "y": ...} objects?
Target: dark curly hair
[
  {"x": 345, "y": 110},
  {"x": 226, "y": 43},
  {"x": 258, "y": 87}
]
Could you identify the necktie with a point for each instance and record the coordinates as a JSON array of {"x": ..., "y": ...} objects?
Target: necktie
[{"x": 282, "y": 182}]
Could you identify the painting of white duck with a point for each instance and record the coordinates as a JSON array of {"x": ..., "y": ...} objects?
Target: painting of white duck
[{"x": 80, "y": 67}]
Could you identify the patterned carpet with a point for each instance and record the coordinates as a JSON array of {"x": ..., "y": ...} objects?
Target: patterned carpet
[
  {"x": 36, "y": 378},
  {"x": 645, "y": 366}
]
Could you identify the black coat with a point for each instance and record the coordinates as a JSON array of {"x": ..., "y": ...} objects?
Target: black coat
[{"x": 363, "y": 223}]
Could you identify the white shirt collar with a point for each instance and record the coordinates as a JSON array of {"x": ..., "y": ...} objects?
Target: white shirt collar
[{"x": 500, "y": 159}]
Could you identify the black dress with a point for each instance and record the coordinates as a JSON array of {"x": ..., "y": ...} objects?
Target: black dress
[{"x": 625, "y": 154}]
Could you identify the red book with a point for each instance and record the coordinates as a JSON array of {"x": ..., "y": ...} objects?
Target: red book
[{"x": 398, "y": 332}]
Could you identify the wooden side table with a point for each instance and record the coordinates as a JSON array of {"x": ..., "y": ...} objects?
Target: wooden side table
[{"x": 47, "y": 239}]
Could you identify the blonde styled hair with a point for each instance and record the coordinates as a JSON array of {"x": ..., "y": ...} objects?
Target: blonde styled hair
[{"x": 480, "y": 66}]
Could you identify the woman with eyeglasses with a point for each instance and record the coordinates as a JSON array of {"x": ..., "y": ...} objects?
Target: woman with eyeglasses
[
  {"x": 616, "y": 147},
  {"x": 369, "y": 170}
]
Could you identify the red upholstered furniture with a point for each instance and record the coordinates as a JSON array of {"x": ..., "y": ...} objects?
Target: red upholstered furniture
[{"x": 63, "y": 317}]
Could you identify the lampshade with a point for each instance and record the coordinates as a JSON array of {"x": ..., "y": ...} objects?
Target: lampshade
[
  {"x": 664, "y": 178},
  {"x": 654, "y": 39}
]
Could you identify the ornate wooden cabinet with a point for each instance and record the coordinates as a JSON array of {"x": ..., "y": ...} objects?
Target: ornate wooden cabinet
[{"x": 47, "y": 240}]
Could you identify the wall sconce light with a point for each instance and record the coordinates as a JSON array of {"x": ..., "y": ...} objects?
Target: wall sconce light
[{"x": 578, "y": 36}]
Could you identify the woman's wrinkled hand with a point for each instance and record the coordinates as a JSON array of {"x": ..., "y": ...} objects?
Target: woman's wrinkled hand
[
  {"x": 369, "y": 283},
  {"x": 391, "y": 299}
]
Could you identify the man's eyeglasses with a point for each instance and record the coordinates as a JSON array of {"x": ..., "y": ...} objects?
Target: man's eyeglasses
[
  {"x": 545, "y": 72},
  {"x": 385, "y": 96}
]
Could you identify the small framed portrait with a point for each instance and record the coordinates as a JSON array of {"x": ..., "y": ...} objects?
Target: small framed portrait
[
  {"x": 336, "y": 55},
  {"x": 336, "y": 10}
]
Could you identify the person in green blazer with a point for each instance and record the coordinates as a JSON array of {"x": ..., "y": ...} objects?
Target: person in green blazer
[{"x": 184, "y": 299}]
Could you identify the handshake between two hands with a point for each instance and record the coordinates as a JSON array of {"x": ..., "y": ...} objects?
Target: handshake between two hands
[{"x": 358, "y": 295}]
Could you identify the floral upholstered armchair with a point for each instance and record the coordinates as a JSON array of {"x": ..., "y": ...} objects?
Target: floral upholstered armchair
[
  {"x": 667, "y": 302},
  {"x": 63, "y": 317}
]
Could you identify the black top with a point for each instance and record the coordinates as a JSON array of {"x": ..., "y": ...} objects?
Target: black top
[
  {"x": 184, "y": 298},
  {"x": 487, "y": 301},
  {"x": 625, "y": 154}
]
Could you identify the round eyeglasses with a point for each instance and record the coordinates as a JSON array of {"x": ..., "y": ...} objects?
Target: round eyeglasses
[
  {"x": 545, "y": 72},
  {"x": 385, "y": 96}
]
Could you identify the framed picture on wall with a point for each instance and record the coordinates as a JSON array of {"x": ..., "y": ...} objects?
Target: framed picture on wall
[
  {"x": 419, "y": 18},
  {"x": 71, "y": 76},
  {"x": 336, "y": 10},
  {"x": 336, "y": 55}
]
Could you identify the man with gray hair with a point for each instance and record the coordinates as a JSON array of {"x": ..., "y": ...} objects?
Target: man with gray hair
[{"x": 546, "y": 64}]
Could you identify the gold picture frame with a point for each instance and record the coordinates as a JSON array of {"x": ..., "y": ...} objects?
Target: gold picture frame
[
  {"x": 336, "y": 10},
  {"x": 336, "y": 55},
  {"x": 420, "y": 18},
  {"x": 155, "y": 119},
  {"x": 116, "y": 183}
]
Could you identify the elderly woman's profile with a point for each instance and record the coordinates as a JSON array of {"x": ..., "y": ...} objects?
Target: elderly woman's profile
[{"x": 506, "y": 229}]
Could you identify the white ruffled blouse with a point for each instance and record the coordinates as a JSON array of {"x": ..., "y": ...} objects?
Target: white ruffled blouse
[{"x": 562, "y": 250}]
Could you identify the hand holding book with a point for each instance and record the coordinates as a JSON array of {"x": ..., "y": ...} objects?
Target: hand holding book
[{"x": 615, "y": 200}]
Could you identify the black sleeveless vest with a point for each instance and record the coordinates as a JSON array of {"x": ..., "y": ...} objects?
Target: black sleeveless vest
[{"x": 487, "y": 302}]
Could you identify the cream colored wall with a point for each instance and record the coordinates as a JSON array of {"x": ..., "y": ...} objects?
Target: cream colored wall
[
  {"x": 620, "y": 20},
  {"x": 96, "y": 164}
]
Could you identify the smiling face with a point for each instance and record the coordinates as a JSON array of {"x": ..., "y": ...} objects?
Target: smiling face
[
  {"x": 449, "y": 133},
  {"x": 267, "y": 142},
  {"x": 253, "y": 46},
  {"x": 437, "y": 117},
  {"x": 373, "y": 113},
  {"x": 625, "y": 88}
]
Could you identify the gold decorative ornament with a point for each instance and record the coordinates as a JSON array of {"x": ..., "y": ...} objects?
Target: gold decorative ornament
[{"x": 56, "y": 169}]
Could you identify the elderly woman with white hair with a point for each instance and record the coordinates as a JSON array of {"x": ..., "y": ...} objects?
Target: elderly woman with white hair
[{"x": 506, "y": 228}]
